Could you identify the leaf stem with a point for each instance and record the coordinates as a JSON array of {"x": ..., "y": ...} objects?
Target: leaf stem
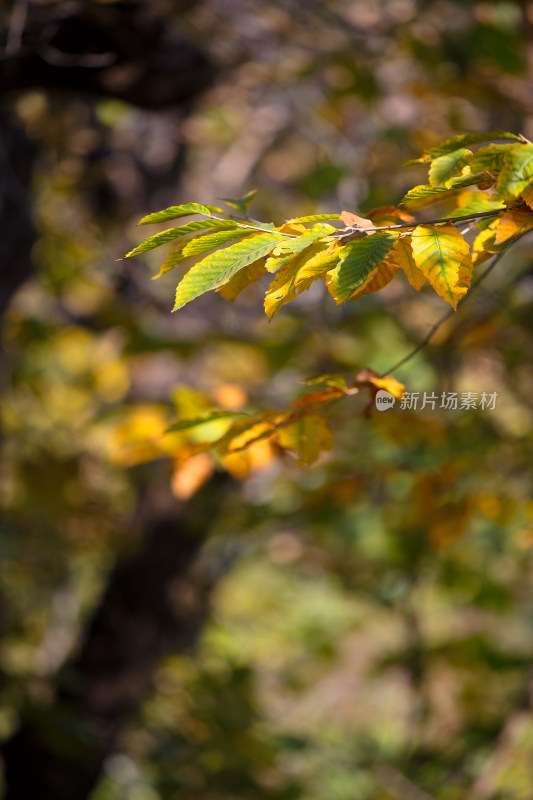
[{"x": 349, "y": 232}]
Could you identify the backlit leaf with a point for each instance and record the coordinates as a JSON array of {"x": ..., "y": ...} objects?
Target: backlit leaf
[
  {"x": 297, "y": 245},
  {"x": 514, "y": 222},
  {"x": 402, "y": 255},
  {"x": 421, "y": 196},
  {"x": 243, "y": 278},
  {"x": 175, "y": 233},
  {"x": 517, "y": 171},
  {"x": 313, "y": 218},
  {"x": 317, "y": 266},
  {"x": 377, "y": 279},
  {"x": 443, "y": 256},
  {"x": 199, "y": 244},
  {"x": 448, "y": 166},
  {"x": 283, "y": 288},
  {"x": 218, "y": 268},
  {"x": 174, "y": 212},
  {"x": 465, "y": 139},
  {"x": 357, "y": 260},
  {"x": 527, "y": 195}
]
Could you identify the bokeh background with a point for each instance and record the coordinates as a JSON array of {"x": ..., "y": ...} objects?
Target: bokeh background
[{"x": 358, "y": 630}]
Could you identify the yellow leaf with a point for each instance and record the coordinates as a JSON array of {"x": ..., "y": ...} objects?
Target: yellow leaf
[
  {"x": 242, "y": 279},
  {"x": 443, "y": 256},
  {"x": 190, "y": 475},
  {"x": 255, "y": 458},
  {"x": 402, "y": 255},
  {"x": 527, "y": 195},
  {"x": 307, "y": 437},
  {"x": 390, "y": 384},
  {"x": 317, "y": 266},
  {"x": 283, "y": 288},
  {"x": 514, "y": 222},
  {"x": 377, "y": 279},
  {"x": 389, "y": 215}
]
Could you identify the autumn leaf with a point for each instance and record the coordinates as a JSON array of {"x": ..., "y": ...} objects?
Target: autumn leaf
[
  {"x": 443, "y": 256},
  {"x": 243, "y": 278},
  {"x": 283, "y": 288},
  {"x": 355, "y": 221},
  {"x": 448, "y": 166},
  {"x": 377, "y": 279},
  {"x": 307, "y": 438},
  {"x": 402, "y": 256},
  {"x": 514, "y": 222},
  {"x": 358, "y": 259},
  {"x": 517, "y": 171}
]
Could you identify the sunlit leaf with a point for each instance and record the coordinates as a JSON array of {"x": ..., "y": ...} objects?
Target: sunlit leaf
[
  {"x": 317, "y": 266},
  {"x": 421, "y": 196},
  {"x": 313, "y": 218},
  {"x": 243, "y": 278},
  {"x": 443, "y": 256},
  {"x": 466, "y": 139},
  {"x": 357, "y": 260},
  {"x": 517, "y": 171},
  {"x": 218, "y": 268},
  {"x": 377, "y": 279},
  {"x": 283, "y": 288},
  {"x": 302, "y": 242},
  {"x": 175, "y": 233},
  {"x": 175, "y": 212},
  {"x": 448, "y": 166},
  {"x": 402, "y": 255},
  {"x": 199, "y": 244},
  {"x": 514, "y": 222}
]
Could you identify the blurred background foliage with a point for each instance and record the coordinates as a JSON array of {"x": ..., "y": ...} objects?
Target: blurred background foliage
[{"x": 370, "y": 625}]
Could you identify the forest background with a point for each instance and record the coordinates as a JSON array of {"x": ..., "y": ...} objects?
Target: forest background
[{"x": 174, "y": 627}]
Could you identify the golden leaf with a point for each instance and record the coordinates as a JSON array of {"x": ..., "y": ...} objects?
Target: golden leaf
[
  {"x": 402, "y": 255},
  {"x": 514, "y": 222},
  {"x": 443, "y": 256}
]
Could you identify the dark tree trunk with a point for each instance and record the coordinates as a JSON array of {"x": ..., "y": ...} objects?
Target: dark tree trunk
[{"x": 152, "y": 606}]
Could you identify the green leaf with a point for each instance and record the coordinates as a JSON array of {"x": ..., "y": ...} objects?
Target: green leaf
[
  {"x": 192, "y": 423},
  {"x": 517, "y": 171},
  {"x": 357, "y": 260},
  {"x": 421, "y": 196},
  {"x": 448, "y": 166},
  {"x": 490, "y": 159},
  {"x": 174, "y": 212},
  {"x": 241, "y": 205},
  {"x": 198, "y": 244},
  {"x": 175, "y": 233},
  {"x": 336, "y": 380},
  {"x": 219, "y": 267},
  {"x": 472, "y": 179},
  {"x": 476, "y": 205},
  {"x": 465, "y": 139},
  {"x": 305, "y": 240},
  {"x": 313, "y": 218}
]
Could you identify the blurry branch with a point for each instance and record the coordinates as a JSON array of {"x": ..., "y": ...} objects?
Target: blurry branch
[{"x": 448, "y": 314}]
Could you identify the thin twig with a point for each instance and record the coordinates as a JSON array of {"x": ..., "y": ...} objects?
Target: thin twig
[
  {"x": 349, "y": 232},
  {"x": 449, "y": 313}
]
